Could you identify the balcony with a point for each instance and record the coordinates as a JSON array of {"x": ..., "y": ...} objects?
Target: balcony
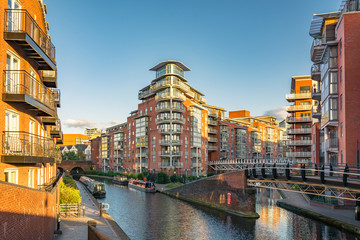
[
  {"x": 195, "y": 155},
  {"x": 170, "y": 154},
  {"x": 212, "y": 139},
  {"x": 24, "y": 147},
  {"x": 194, "y": 165},
  {"x": 298, "y": 154},
  {"x": 168, "y": 165},
  {"x": 330, "y": 119},
  {"x": 172, "y": 142},
  {"x": 145, "y": 94},
  {"x": 316, "y": 94},
  {"x": 55, "y": 131},
  {"x": 315, "y": 72},
  {"x": 142, "y": 155},
  {"x": 22, "y": 30},
  {"x": 142, "y": 142},
  {"x": 168, "y": 96},
  {"x": 298, "y": 119},
  {"x": 214, "y": 115},
  {"x": 212, "y": 148},
  {"x": 161, "y": 120},
  {"x": 316, "y": 112},
  {"x": 170, "y": 131},
  {"x": 212, "y": 131},
  {"x": 332, "y": 145},
  {"x": 299, "y": 143},
  {"x": 212, "y": 122},
  {"x": 297, "y": 96},
  {"x": 49, "y": 78},
  {"x": 59, "y": 140},
  {"x": 298, "y": 108},
  {"x": 317, "y": 50},
  {"x": 21, "y": 87},
  {"x": 51, "y": 121},
  {"x": 180, "y": 109},
  {"x": 299, "y": 131},
  {"x": 56, "y": 93}
]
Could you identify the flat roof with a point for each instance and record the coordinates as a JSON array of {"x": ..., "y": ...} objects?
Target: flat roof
[
  {"x": 179, "y": 64},
  {"x": 210, "y": 106}
]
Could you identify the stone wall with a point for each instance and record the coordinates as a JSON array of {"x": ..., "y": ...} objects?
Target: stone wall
[{"x": 227, "y": 192}]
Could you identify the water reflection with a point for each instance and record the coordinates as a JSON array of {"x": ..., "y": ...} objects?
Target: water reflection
[{"x": 156, "y": 216}]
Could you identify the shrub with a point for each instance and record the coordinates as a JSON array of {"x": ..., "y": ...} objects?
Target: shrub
[
  {"x": 69, "y": 182},
  {"x": 69, "y": 194},
  {"x": 162, "y": 178},
  {"x": 173, "y": 178}
]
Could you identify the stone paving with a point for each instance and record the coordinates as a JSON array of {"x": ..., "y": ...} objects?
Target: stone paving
[
  {"x": 344, "y": 215},
  {"x": 76, "y": 228}
]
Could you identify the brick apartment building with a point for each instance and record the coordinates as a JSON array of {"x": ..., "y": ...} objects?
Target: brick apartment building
[
  {"x": 30, "y": 128},
  {"x": 175, "y": 131},
  {"x": 335, "y": 53},
  {"x": 300, "y": 118}
]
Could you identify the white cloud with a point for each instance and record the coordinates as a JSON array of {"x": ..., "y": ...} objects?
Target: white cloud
[
  {"x": 81, "y": 124},
  {"x": 280, "y": 113}
]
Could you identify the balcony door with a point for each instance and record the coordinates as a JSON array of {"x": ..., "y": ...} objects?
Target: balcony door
[
  {"x": 12, "y": 140},
  {"x": 14, "y": 16},
  {"x": 12, "y": 73},
  {"x": 33, "y": 81}
]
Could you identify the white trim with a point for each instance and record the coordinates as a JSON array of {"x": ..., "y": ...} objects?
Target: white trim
[{"x": 9, "y": 170}]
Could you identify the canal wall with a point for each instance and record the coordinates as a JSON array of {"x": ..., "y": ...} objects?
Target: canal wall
[
  {"x": 227, "y": 192},
  {"x": 27, "y": 213}
]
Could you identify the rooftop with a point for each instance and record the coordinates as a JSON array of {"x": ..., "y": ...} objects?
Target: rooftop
[{"x": 179, "y": 64}]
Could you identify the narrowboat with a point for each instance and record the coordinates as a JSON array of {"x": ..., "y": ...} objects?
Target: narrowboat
[
  {"x": 120, "y": 180},
  {"x": 97, "y": 189},
  {"x": 142, "y": 186}
]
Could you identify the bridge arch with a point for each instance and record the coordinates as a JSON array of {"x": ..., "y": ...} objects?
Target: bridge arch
[{"x": 77, "y": 170}]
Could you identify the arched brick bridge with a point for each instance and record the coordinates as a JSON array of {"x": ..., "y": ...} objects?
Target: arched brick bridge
[{"x": 74, "y": 167}]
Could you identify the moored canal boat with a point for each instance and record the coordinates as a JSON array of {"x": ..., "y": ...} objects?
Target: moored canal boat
[
  {"x": 142, "y": 186},
  {"x": 97, "y": 189},
  {"x": 120, "y": 180}
]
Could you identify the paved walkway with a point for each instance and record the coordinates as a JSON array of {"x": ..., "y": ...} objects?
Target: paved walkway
[
  {"x": 298, "y": 200},
  {"x": 76, "y": 228}
]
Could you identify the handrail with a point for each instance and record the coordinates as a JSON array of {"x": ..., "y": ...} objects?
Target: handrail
[
  {"x": 19, "y": 20},
  {"x": 21, "y": 82}
]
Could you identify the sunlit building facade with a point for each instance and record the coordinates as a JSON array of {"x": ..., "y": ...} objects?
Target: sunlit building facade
[
  {"x": 299, "y": 118},
  {"x": 29, "y": 125},
  {"x": 336, "y": 58}
]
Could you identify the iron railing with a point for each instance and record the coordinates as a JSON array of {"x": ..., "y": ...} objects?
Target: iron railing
[
  {"x": 17, "y": 143},
  {"x": 21, "y": 82},
  {"x": 20, "y": 21}
]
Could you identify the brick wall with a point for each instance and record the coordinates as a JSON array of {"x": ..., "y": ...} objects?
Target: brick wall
[{"x": 27, "y": 213}]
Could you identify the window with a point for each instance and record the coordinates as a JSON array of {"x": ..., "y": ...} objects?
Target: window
[
  {"x": 11, "y": 175},
  {"x": 341, "y": 74},
  {"x": 150, "y": 108},
  {"x": 31, "y": 178},
  {"x": 340, "y": 46},
  {"x": 341, "y": 130},
  {"x": 342, "y": 156},
  {"x": 341, "y": 101}
]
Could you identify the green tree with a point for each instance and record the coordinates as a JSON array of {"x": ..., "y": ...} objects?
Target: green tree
[
  {"x": 70, "y": 156},
  {"x": 69, "y": 194},
  {"x": 81, "y": 154}
]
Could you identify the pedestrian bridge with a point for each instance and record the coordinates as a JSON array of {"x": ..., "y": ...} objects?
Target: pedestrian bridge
[{"x": 342, "y": 182}]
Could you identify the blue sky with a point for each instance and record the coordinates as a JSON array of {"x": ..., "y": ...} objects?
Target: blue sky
[{"x": 242, "y": 53}]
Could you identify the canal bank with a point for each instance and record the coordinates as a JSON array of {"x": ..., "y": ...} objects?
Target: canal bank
[
  {"x": 343, "y": 219},
  {"x": 76, "y": 227}
]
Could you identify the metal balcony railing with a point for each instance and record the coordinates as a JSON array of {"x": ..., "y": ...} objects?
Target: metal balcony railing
[
  {"x": 212, "y": 148},
  {"x": 19, "y": 82},
  {"x": 212, "y": 139},
  {"x": 173, "y": 131},
  {"x": 168, "y": 165},
  {"x": 167, "y": 95},
  {"x": 194, "y": 165},
  {"x": 19, "y": 21},
  {"x": 295, "y": 108},
  {"x": 172, "y": 142},
  {"x": 160, "y": 120},
  {"x": 212, "y": 131},
  {"x": 167, "y": 108},
  {"x": 298, "y": 96},
  {"x": 332, "y": 144},
  {"x": 194, "y": 155},
  {"x": 49, "y": 78},
  {"x": 24, "y": 144},
  {"x": 168, "y": 154},
  {"x": 212, "y": 122},
  {"x": 142, "y": 155},
  {"x": 298, "y": 154},
  {"x": 298, "y": 119},
  {"x": 299, "y": 131},
  {"x": 299, "y": 142}
]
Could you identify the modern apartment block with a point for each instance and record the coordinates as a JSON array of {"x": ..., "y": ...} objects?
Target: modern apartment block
[
  {"x": 175, "y": 131},
  {"x": 74, "y": 138},
  {"x": 299, "y": 118},
  {"x": 336, "y": 55},
  {"x": 92, "y": 132},
  {"x": 29, "y": 125}
]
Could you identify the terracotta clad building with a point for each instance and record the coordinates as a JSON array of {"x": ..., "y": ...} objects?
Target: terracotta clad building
[
  {"x": 335, "y": 53},
  {"x": 175, "y": 131},
  {"x": 30, "y": 127},
  {"x": 300, "y": 118}
]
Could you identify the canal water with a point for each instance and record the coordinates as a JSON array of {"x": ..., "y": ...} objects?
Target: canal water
[{"x": 157, "y": 216}]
